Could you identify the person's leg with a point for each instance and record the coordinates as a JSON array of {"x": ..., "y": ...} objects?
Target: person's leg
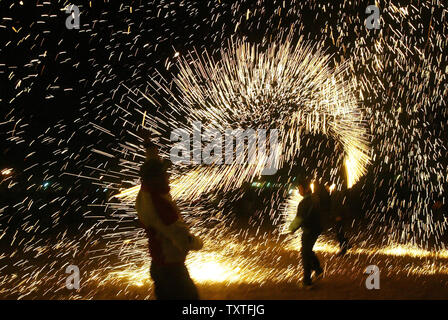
[
  {"x": 161, "y": 284},
  {"x": 315, "y": 264},
  {"x": 187, "y": 288},
  {"x": 173, "y": 282},
  {"x": 340, "y": 235},
  {"x": 307, "y": 256}
]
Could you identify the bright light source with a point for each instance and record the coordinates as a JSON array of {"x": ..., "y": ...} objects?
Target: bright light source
[{"x": 6, "y": 171}]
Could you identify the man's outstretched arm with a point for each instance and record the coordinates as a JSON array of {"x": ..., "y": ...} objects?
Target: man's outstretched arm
[
  {"x": 295, "y": 224},
  {"x": 303, "y": 210}
]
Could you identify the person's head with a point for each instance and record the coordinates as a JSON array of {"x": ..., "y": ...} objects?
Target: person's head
[
  {"x": 304, "y": 186},
  {"x": 330, "y": 186},
  {"x": 151, "y": 149},
  {"x": 155, "y": 176}
]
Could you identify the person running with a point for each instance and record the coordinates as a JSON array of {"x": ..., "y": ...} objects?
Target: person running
[{"x": 169, "y": 237}]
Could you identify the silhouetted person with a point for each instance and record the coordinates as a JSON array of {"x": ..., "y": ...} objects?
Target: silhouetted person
[
  {"x": 309, "y": 216},
  {"x": 338, "y": 217},
  {"x": 169, "y": 238}
]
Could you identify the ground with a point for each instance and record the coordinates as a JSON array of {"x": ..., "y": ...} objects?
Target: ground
[
  {"x": 236, "y": 269},
  {"x": 403, "y": 275}
]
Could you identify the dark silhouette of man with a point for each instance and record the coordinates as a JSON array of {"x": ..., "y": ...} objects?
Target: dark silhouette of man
[{"x": 309, "y": 218}]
